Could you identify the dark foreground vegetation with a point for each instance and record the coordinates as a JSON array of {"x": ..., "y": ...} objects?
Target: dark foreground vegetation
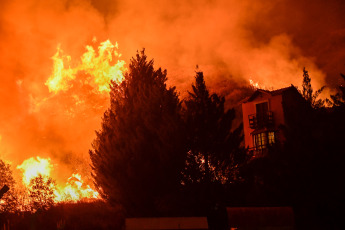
[
  {"x": 158, "y": 155},
  {"x": 81, "y": 215}
]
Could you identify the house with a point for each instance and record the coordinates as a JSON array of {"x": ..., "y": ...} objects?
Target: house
[{"x": 264, "y": 113}]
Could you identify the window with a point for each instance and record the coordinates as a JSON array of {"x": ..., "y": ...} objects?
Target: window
[
  {"x": 261, "y": 108},
  {"x": 262, "y": 115},
  {"x": 261, "y": 140},
  {"x": 271, "y": 139}
]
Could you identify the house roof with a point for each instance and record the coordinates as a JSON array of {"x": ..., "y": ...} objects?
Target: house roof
[{"x": 271, "y": 93}]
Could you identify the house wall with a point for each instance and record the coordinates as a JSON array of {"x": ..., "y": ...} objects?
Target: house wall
[
  {"x": 296, "y": 109},
  {"x": 278, "y": 115},
  {"x": 249, "y": 108}
]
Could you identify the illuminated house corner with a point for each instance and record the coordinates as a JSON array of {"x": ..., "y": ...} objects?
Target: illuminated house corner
[{"x": 264, "y": 113}]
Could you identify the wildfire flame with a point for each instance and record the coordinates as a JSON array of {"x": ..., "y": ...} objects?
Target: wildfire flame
[
  {"x": 257, "y": 85},
  {"x": 94, "y": 71},
  {"x": 74, "y": 190},
  {"x": 100, "y": 67},
  {"x": 33, "y": 167}
]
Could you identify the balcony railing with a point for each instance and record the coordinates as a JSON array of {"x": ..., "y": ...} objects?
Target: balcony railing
[
  {"x": 257, "y": 152},
  {"x": 261, "y": 120}
]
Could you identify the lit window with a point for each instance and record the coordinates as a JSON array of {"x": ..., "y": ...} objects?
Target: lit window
[
  {"x": 271, "y": 139},
  {"x": 261, "y": 140}
]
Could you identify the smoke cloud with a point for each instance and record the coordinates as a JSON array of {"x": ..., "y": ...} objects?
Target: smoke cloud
[{"x": 232, "y": 41}]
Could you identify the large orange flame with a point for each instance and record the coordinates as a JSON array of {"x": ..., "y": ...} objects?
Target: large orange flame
[
  {"x": 96, "y": 68},
  {"x": 75, "y": 189},
  {"x": 33, "y": 167},
  {"x": 100, "y": 67}
]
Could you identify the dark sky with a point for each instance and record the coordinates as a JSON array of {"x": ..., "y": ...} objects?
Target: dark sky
[{"x": 317, "y": 28}]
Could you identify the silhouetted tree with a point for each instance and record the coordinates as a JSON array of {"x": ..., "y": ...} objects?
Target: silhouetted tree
[
  {"x": 9, "y": 199},
  {"x": 213, "y": 147},
  {"x": 138, "y": 154},
  {"x": 339, "y": 98},
  {"x": 41, "y": 193},
  {"x": 308, "y": 92}
]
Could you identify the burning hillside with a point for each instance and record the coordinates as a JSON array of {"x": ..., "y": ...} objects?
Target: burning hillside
[{"x": 78, "y": 95}]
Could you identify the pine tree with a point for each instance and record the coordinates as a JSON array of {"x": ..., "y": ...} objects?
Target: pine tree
[
  {"x": 308, "y": 92},
  {"x": 213, "y": 148},
  {"x": 339, "y": 98},
  {"x": 139, "y": 153}
]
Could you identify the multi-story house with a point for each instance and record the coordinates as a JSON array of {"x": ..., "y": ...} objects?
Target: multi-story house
[{"x": 264, "y": 113}]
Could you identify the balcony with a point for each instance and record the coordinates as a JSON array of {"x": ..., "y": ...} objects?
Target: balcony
[
  {"x": 258, "y": 152},
  {"x": 261, "y": 120}
]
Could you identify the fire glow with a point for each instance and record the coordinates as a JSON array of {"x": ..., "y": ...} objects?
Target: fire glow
[
  {"x": 74, "y": 190},
  {"x": 257, "y": 85},
  {"x": 33, "y": 167},
  {"x": 98, "y": 66}
]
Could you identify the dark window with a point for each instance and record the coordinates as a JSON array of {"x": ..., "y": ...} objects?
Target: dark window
[
  {"x": 262, "y": 118},
  {"x": 262, "y": 109}
]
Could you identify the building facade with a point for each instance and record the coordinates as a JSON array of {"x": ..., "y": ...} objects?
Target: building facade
[{"x": 264, "y": 113}]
